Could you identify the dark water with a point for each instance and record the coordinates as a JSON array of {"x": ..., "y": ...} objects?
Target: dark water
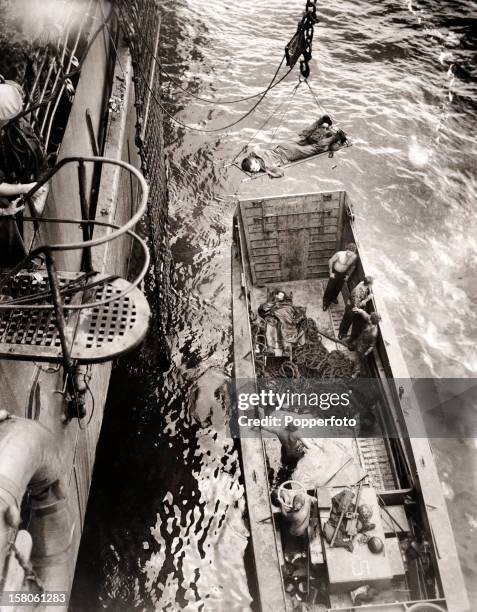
[{"x": 164, "y": 528}]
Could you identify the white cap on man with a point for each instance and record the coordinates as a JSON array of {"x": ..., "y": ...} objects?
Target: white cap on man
[{"x": 11, "y": 103}]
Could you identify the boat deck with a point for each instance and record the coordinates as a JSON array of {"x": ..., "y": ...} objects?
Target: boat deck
[
  {"x": 308, "y": 293},
  {"x": 327, "y": 455}
]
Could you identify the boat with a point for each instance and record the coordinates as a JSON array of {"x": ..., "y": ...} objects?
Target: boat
[
  {"x": 283, "y": 244},
  {"x": 76, "y": 303}
]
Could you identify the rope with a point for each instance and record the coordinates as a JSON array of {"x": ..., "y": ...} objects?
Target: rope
[
  {"x": 310, "y": 361},
  {"x": 287, "y": 108},
  {"x": 262, "y": 126},
  {"x": 318, "y": 103},
  {"x": 131, "y": 35},
  {"x": 26, "y": 566},
  {"x": 138, "y": 67}
]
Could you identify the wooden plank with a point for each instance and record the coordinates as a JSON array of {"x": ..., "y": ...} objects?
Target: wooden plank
[
  {"x": 331, "y": 213},
  {"x": 320, "y": 263},
  {"x": 289, "y": 207},
  {"x": 314, "y": 268},
  {"x": 323, "y": 239},
  {"x": 328, "y": 231},
  {"x": 322, "y": 253},
  {"x": 261, "y": 251},
  {"x": 322, "y": 246},
  {"x": 259, "y": 267},
  {"x": 263, "y": 236},
  {"x": 252, "y": 205},
  {"x": 256, "y": 228},
  {"x": 268, "y": 275},
  {"x": 270, "y": 258},
  {"x": 307, "y": 196},
  {"x": 254, "y": 244},
  {"x": 294, "y": 254}
]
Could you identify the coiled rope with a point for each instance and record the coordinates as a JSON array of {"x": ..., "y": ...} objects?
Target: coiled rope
[{"x": 310, "y": 361}]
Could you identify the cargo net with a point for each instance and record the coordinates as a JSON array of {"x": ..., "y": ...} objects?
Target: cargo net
[
  {"x": 140, "y": 21},
  {"x": 39, "y": 53},
  {"x": 312, "y": 360}
]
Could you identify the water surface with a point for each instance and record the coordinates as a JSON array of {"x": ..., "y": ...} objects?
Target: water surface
[{"x": 164, "y": 529}]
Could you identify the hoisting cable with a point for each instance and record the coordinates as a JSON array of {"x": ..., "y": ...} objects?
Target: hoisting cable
[
  {"x": 131, "y": 35},
  {"x": 154, "y": 97},
  {"x": 287, "y": 108},
  {"x": 260, "y": 128},
  {"x": 318, "y": 102}
]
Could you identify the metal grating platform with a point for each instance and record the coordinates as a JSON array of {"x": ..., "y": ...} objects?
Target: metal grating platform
[
  {"x": 376, "y": 463},
  {"x": 94, "y": 334},
  {"x": 336, "y": 314}
]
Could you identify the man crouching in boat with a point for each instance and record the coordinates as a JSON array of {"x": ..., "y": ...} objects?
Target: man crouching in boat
[
  {"x": 317, "y": 138},
  {"x": 366, "y": 341},
  {"x": 293, "y": 446},
  {"x": 295, "y": 510}
]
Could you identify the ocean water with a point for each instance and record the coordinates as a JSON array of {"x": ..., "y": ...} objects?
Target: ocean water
[{"x": 164, "y": 528}]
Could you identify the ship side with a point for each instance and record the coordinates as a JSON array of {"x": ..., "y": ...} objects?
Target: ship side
[{"x": 53, "y": 393}]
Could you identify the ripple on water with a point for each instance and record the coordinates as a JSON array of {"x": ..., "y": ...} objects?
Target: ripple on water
[{"x": 389, "y": 72}]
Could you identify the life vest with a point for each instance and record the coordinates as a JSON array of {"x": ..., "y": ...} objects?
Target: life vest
[{"x": 30, "y": 461}]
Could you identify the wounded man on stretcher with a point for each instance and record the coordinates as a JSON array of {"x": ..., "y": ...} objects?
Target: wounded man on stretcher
[
  {"x": 284, "y": 323},
  {"x": 318, "y": 138}
]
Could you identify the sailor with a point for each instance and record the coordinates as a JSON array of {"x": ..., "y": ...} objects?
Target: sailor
[
  {"x": 358, "y": 298},
  {"x": 293, "y": 445},
  {"x": 341, "y": 267},
  {"x": 295, "y": 510},
  {"x": 317, "y": 138},
  {"x": 366, "y": 341},
  {"x": 17, "y": 176}
]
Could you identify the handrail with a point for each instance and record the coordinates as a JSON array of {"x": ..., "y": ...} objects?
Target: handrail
[
  {"x": 132, "y": 284},
  {"x": 86, "y": 244},
  {"x": 92, "y": 243}
]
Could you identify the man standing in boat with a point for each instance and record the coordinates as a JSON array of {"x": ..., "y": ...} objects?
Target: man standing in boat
[
  {"x": 358, "y": 298},
  {"x": 341, "y": 266},
  {"x": 317, "y": 138}
]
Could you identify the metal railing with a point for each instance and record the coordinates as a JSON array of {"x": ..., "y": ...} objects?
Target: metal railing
[
  {"x": 56, "y": 56},
  {"x": 88, "y": 241},
  {"x": 57, "y": 293}
]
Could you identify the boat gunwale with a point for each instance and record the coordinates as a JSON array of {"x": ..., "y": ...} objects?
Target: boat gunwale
[{"x": 424, "y": 472}]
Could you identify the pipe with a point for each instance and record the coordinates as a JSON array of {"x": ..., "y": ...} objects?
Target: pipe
[{"x": 30, "y": 460}]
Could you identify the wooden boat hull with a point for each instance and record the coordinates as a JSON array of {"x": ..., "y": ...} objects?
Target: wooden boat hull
[{"x": 286, "y": 241}]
